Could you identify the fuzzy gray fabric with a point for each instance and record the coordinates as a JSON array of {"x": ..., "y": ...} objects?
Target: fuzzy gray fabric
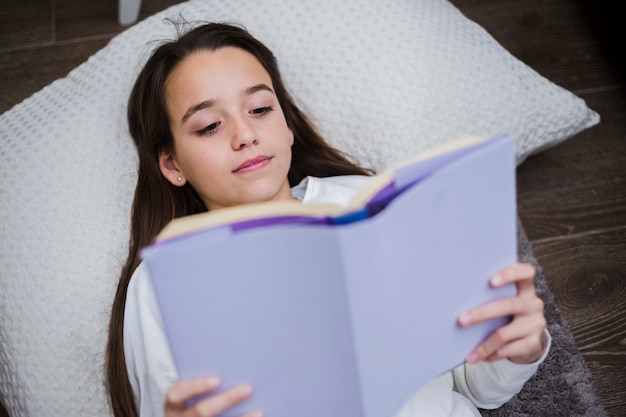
[{"x": 562, "y": 386}]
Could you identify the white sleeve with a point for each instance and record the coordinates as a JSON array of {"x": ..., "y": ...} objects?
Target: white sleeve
[
  {"x": 148, "y": 359},
  {"x": 490, "y": 384}
]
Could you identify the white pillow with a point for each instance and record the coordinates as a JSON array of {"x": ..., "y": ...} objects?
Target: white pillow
[{"x": 382, "y": 79}]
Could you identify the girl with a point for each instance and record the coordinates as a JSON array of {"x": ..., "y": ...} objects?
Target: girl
[{"x": 214, "y": 127}]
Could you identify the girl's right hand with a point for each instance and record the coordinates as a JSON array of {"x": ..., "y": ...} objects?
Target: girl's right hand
[{"x": 178, "y": 394}]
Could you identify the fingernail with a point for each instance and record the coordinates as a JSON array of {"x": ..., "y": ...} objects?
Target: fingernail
[
  {"x": 471, "y": 358},
  {"x": 174, "y": 397},
  {"x": 465, "y": 319},
  {"x": 245, "y": 390},
  {"x": 213, "y": 381},
  {"x": 496, "y": 280}
]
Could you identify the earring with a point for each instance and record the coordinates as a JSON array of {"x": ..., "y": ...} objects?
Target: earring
[{"x": 179, "y": 179}]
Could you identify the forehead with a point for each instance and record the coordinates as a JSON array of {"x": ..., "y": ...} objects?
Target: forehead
[
  {"x": 224, "y": 64},
  {"x": 220, "y": 76}
]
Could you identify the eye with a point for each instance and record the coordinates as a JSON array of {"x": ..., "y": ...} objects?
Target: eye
[
  {"x": 208, "y": 129},
  {"x": 261, "y": 110}
]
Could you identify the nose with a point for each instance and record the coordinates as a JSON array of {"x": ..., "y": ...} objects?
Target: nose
[{"x": 244, "y": 134}]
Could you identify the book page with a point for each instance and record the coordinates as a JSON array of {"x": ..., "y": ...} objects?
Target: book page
[{"x": 281, "y": 209}]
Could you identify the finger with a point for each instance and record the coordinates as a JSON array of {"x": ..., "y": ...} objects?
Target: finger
[
  {"x": 521, "y": 338},
  {"x": 505, "y": 307},
  {"x": 530, "y": 345},
  {"x": 218, "y": 403},
  {"x": 522, "y": 274},
  {"x": 526, "y": 350},
  {"x": 181, "y": 391},
  {"x": 489, "y": 348},
  {"x": 256, "y": 413}
]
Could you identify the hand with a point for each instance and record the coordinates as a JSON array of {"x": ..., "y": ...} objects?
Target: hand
[
  {"x": 523, "y": 339},
  {"x": 181, "y": 391}
]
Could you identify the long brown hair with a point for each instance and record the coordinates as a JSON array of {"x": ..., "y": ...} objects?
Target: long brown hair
[{"x": 156, "y": 201}]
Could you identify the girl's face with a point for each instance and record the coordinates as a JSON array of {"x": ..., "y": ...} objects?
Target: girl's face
[{"x": 231, "y": 140}]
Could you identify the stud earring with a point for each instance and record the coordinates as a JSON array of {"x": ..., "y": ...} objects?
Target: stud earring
[{"x": 179, "y": 179}]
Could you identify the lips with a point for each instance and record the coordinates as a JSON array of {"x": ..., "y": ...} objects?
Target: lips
[{"x": 253, "y": 164}]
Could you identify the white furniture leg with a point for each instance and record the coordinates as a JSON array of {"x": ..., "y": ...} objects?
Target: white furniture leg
[{"x": 128, "y": 11}]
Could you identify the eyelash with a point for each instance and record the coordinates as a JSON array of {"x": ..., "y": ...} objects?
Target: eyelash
[
  {"x": 262, "y": 110},
  {"x": 208, "y": 130}
]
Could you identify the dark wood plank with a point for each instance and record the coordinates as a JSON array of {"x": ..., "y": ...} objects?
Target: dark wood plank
[
  {"x": 83, "y": 19},
  {"x": 75, "y": 20},
  {"x": 606, "y": 19},
  {"x": 150, "y": 7},
  {"x": 588, "y": 279},
  {"x": 26, "y": 71},
  {"x": 607, "y": 376},
  {"x": 579, "y": 185},
  {"x": 25, "y": 22},
  {"x": 553, "y": 37}
]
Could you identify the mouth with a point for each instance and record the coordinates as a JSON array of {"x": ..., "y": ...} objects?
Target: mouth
[{"x": 253, "y": 164}]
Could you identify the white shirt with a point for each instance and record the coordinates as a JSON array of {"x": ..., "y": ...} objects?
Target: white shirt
[{"x": 456, "y": 393}]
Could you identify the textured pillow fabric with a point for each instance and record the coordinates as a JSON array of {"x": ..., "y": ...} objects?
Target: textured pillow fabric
[{"x": 381, "y": 80}]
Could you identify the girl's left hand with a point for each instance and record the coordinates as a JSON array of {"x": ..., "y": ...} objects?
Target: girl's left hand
[{"x": 523, "y": 339}]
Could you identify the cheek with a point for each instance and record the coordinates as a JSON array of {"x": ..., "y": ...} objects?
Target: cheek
[
  {"x": 208, "y": 163},
  {"x": 201, "y": 162},
  {"x": 281, "y": 130},
  {"x": 290, "y": 137}
]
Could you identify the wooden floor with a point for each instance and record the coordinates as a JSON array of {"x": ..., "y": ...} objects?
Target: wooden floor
[{"x": 571, "y": 199}]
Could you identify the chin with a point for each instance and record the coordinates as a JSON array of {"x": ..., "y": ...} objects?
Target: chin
[{"x": 260, "y": 194}]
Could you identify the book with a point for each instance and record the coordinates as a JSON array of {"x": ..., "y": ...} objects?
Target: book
[{"x": 342, "y": 311}]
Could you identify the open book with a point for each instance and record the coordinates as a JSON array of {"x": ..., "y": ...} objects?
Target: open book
[{"x": 331, "y": 311}]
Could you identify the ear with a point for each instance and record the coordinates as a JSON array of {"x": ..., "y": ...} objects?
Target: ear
[
  {"x": 291, "y": 135},
  {"x": 170, "y": 170}
]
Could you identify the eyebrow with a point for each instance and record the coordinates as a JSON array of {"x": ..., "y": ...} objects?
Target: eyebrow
[{"x": 208, "y": 103}]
